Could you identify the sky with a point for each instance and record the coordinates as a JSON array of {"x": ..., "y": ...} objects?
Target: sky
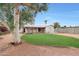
[{"x": 64, "y": 13}]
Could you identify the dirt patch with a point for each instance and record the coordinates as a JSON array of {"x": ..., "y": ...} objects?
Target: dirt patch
[
  {"x": 3, "y": 48},
  {"x": 70, "y": 35},
  {"x": 1, "y": 38},
  {"x": 32, "y": 50},
  {"x": 26, "y": 49}
]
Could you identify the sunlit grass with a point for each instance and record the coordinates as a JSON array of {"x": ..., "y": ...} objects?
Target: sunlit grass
[{"x": 51, "y": 40}]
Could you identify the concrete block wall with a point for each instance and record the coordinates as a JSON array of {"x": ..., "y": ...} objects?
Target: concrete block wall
[{"x": 73, "y": 30}]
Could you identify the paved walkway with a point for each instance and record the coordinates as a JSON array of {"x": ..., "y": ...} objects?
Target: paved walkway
[{"x": 26, "y": 49}]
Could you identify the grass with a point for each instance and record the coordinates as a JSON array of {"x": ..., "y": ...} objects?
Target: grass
[{"x": 51, "y": 40}]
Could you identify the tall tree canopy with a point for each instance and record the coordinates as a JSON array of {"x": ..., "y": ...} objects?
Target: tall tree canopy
[
  {"x": 56, "y": 25},
  {"x": 27, "y": 14},
  {"x": 18, "y": 13}
]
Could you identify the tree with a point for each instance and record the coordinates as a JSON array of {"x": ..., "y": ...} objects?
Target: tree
[
  {"x": 65, "y": 26},
  {"x": 7, "y": 14},
  {"x": 45, "y": 21},
  {"x": 56, "y": 25},
  {"x": 17, "y": 9}
]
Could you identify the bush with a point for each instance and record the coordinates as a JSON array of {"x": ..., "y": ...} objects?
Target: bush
[
  {"x": 2, "y": 33},
  {"x": 3, "y": 29}
]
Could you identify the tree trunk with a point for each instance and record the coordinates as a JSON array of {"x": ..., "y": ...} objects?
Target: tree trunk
[{"x": 16, "y": 38}]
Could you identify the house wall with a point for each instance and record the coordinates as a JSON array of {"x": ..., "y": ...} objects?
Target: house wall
[
  {"x": 49, "y": 29},
  {"x": 34, "y": 30},
  {"x": 28, "y": 30}
]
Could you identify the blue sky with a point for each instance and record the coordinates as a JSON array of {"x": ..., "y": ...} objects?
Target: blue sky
[{"x": 64, "y": 13}]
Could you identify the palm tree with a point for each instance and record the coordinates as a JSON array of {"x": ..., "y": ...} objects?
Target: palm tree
[
  {"x": 45, "y": 21},
  {"x": 17, "y": 9}
]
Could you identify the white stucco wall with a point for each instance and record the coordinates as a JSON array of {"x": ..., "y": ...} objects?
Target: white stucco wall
[{"x": 49, "y": 29}]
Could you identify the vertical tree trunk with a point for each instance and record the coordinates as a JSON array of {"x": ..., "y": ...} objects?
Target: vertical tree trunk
[{"x": 16, "y": 34}]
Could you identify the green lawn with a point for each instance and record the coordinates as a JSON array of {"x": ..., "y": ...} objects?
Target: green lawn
[{"x": 51, "y": 40}]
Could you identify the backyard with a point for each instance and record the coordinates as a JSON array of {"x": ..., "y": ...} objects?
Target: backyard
[
  {"x": 18, "y": 38},
  {"x": 51, "y": 40},
  {"x": 58, "y": 45}
]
